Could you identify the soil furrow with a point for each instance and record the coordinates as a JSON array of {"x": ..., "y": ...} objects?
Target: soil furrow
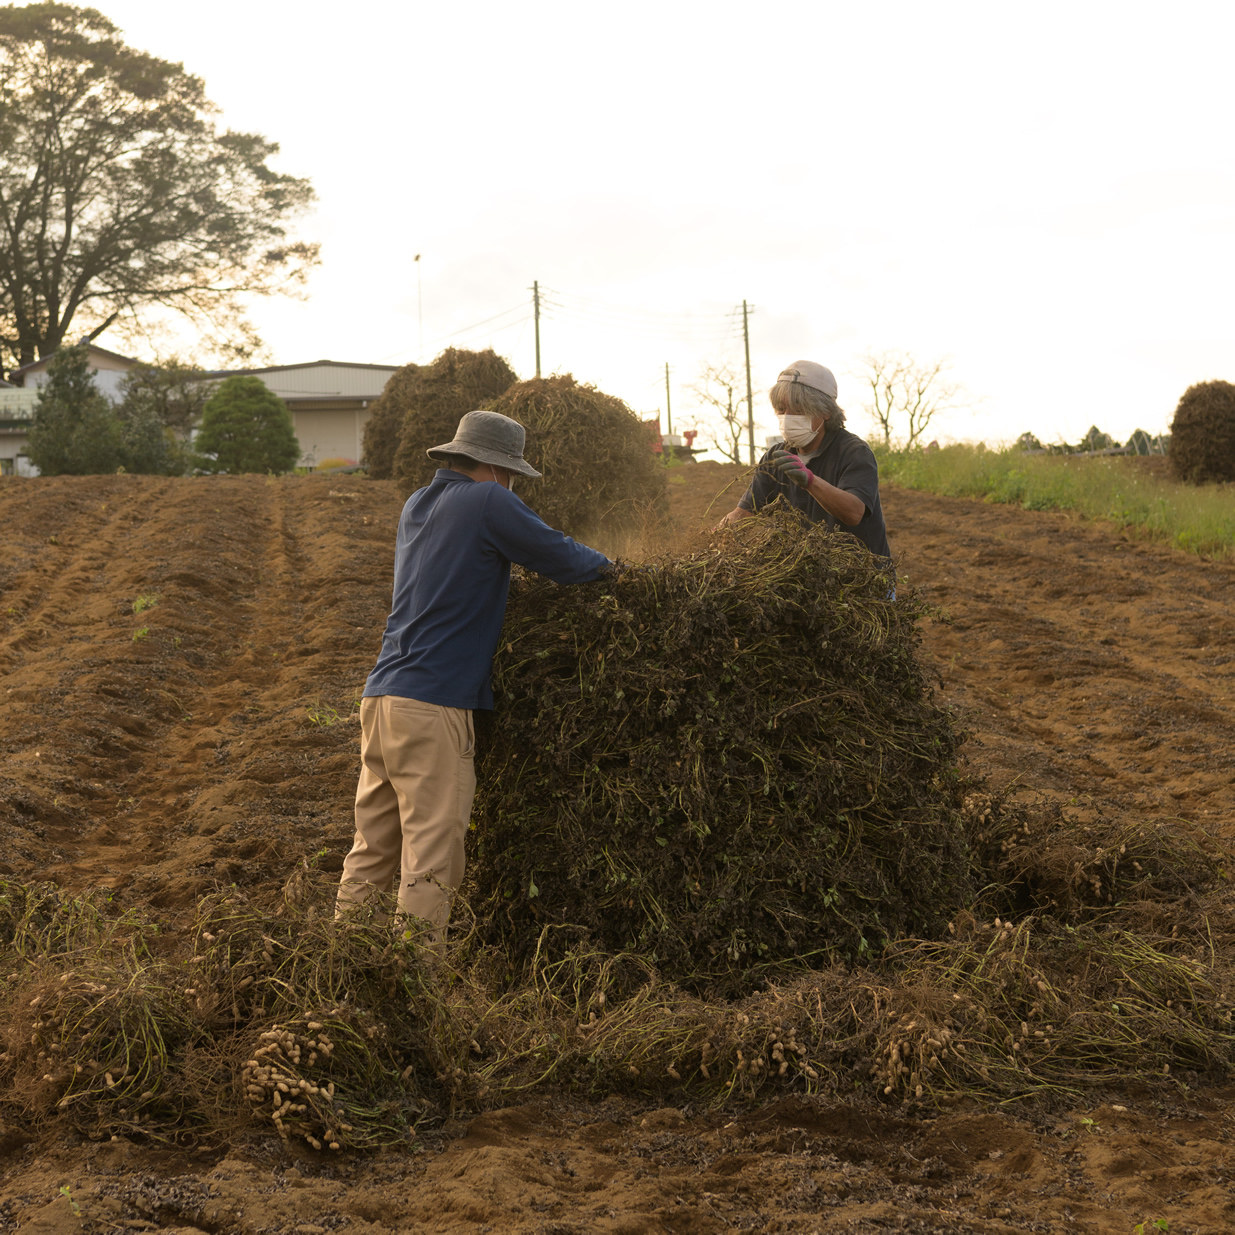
[
  {"x": 260, "y": 659},
  {"x": 1086, "y": 677}
]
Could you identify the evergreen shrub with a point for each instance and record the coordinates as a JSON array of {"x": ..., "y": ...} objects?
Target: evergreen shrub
[{"x": 246, "y": 427}]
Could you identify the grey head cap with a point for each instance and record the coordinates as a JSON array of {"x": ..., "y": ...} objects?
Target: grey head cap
[
  {"x": 810, "y": 373},
  {"x": 489, "y": 437}
]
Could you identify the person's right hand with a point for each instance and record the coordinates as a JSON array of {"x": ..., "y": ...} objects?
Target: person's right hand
[{"x": 789, "y": 467}]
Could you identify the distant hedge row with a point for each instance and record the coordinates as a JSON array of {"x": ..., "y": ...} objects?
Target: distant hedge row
[{"x": 1201, "y": 443}]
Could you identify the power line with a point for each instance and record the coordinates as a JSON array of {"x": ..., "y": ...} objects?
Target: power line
[
  {"x": 657, "y": 323},
  {"x": 467, "y": 330},
  {"x": 670, "y": 324},
  {"x": 646, "y": 330},
  {"x": 464, "y": 336},
  {"x": 519, "y": 308},
  {"x": 631, "y": 311},
  {"x": 707, "y": 331}
]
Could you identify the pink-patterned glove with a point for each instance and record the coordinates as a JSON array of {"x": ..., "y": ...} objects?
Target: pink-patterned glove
[{"x": 788, "y": 467}]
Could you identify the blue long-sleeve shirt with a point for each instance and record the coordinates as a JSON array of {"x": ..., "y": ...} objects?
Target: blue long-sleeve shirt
[{"x": 457, "y": 538}]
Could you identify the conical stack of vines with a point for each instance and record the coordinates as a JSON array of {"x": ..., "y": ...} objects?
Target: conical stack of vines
[
  {"x": 385, "y": 423},
  {"x": 599, "y": 469},
  {"x": 455, "y": 383},
  {"x": 730, "y": 763}
]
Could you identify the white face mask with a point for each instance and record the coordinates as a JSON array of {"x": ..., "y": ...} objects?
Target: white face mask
[{"x": 798, "y": 431}]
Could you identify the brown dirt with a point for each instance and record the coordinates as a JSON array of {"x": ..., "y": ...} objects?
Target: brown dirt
[{"x": 215, "y": 748}]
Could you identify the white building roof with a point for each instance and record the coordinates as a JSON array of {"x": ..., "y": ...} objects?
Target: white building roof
[{"x": 322, "y": 378}]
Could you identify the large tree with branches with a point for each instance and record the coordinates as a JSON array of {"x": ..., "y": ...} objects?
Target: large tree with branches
[{"x": 118, "y": 194}]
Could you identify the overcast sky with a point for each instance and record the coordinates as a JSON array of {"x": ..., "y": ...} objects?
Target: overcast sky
[{"x": 1042, "y": 195}]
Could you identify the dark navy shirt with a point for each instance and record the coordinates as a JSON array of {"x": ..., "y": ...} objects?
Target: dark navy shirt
[
  {"x": 457, "y": 538},
  {"x": 843, "y": 460}
]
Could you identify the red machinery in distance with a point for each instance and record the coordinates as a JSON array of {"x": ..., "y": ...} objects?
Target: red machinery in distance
[{"x": 680, "y": 445}]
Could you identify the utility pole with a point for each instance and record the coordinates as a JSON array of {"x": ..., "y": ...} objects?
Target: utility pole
[
  {"x": 536, "y": 313},
  {"x": 668, "y": 408},
  {"x": 750, "y": 404},
  {"x": 420, "y": 313}
]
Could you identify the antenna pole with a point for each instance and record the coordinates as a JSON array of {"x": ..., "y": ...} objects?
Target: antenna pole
[
  {"x": 750, "y": 402},
  {"x": 536, "y": 313}
]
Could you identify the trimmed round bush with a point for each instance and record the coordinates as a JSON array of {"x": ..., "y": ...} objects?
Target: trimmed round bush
[{"x": 246, "y": 427}]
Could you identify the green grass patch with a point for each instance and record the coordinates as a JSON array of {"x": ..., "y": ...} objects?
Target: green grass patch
[{"x": 1115, "y": 489}]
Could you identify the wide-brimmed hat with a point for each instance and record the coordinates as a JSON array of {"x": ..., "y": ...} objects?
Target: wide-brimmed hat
[{"x": 489, "y": 437}]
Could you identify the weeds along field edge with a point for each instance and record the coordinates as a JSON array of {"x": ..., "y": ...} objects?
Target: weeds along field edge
[{"x": 1121, "y": 490}]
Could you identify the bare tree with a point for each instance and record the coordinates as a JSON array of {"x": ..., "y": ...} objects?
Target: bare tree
[
  {"x": 719, "y": 389},
  {"x": 907, "y": 391}
]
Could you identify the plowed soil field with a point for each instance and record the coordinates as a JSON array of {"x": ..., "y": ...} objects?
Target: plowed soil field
[{"x": 179, "y": 661}]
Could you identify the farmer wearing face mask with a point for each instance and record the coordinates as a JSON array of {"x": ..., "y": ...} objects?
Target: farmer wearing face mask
[
  {"x": 822, "y": 469},
  {"x": 456, "y": 540}
]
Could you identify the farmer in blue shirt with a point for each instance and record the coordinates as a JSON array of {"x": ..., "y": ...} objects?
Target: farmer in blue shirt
[{"x": 457, "y": 538}]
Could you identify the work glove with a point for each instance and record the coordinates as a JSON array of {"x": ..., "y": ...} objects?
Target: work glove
[{"x": 788, "y": 467}]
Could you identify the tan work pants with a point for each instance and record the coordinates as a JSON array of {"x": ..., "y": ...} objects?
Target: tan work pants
[{"x": 413, "y": 803}]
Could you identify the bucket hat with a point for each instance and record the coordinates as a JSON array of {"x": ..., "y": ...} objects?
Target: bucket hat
[
  {"x": 811, "y": 374},
  {"x": 489, "y": 437}
]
